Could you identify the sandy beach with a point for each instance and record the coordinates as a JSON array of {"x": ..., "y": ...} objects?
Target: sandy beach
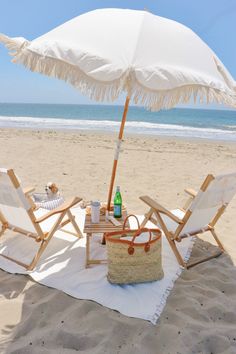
[{"x": 200, "y": 314}]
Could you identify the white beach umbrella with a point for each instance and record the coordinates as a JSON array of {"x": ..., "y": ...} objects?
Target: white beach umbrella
[{"x": 157, "y": 62}]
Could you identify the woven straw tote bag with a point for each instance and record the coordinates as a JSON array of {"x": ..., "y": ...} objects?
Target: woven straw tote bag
[{"x": 130, "y": 258}]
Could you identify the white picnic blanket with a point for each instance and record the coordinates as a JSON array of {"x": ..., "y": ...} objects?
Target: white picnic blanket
[{"x": 62, "y": 266}]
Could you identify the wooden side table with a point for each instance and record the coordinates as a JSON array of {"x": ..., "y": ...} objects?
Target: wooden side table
[{"x": 101, "y": 228}]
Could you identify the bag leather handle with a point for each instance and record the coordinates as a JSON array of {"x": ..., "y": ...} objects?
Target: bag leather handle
[
  {"x": 137, "y": 233},
  {"x": 127, "y": 217},
  {"x": 147, "y": 244}
]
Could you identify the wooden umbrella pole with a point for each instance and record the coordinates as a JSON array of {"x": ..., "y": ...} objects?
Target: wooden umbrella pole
[{"x": 117, "y": 152}]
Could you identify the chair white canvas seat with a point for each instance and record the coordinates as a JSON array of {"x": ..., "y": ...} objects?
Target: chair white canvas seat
[
  {"x": 17, "y": 213},
  {"x": 200, "y": 214},
  {"x": 171, "y": 224}
]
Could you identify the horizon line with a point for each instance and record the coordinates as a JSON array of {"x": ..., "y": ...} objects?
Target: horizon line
[{"x": 120, "y": 105}]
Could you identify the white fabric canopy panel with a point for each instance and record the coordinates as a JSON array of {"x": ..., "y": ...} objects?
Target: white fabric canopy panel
[
  {"x": 156, "y": 61},
  {"x": 205, "y": 205},
  {"x": 13, "y": 203}
]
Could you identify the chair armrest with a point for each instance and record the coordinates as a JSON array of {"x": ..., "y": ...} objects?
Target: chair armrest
[
  {"x": 64, "y": 207},
  {"x": 28, "y": 190},
  {"x": 159, "y": 208},
  {"x": 191, "y": 192}
]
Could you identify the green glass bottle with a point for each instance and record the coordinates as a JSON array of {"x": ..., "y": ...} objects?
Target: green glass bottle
[{"x": 117, "y": 203}]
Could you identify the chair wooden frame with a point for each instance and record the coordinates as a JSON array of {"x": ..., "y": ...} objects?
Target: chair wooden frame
[
  {"x": 39, "y": 236},
  {"x": 173, "y": 237}
]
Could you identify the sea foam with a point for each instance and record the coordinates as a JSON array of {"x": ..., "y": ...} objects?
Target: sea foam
[{"x": 134, "y": 127}]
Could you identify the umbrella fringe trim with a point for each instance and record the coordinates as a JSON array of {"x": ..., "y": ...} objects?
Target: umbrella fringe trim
[
  {"x": 166, "y": 99},
  {"x": 13, "y": 44},
  {"x": 110, "y": 91}
]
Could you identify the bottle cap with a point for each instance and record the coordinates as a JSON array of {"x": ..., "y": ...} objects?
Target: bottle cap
[{"x": 118, "y": 188}]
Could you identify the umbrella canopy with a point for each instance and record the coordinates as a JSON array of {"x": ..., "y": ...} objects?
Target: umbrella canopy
[{"x": 156, "y": 61}]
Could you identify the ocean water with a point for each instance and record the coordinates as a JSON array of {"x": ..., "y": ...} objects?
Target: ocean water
[{"x": 179, "y": 122}]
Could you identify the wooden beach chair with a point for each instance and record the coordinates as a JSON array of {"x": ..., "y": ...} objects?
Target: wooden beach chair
[
  {"x": 200, "y": 213},
  {"x": 17, "y": 213}
]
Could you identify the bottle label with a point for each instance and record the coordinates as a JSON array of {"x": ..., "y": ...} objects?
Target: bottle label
[{"x": 117, "y": 210}]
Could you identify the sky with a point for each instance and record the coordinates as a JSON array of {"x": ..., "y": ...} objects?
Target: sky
[{"x": 213, "y": 20}]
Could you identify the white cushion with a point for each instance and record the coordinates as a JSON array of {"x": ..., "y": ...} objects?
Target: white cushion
[{"x": 50, "y": 204}]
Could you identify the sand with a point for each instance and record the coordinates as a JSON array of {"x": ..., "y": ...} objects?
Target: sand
[{"x": 200, "y": 314}]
